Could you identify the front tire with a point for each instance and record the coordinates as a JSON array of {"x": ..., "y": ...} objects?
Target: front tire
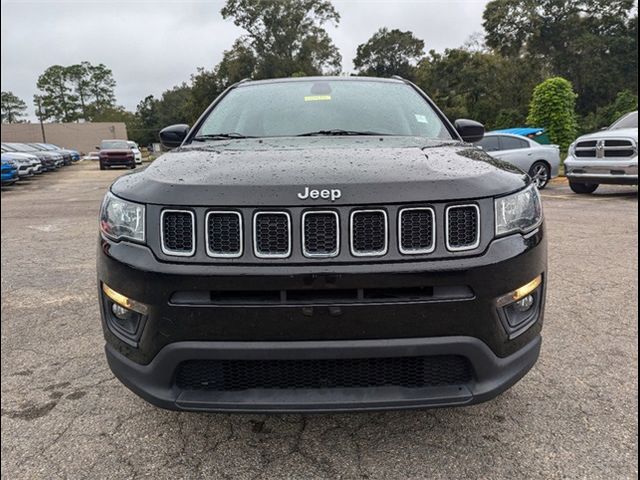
[
  {"x": 102, "y": 167},
  {"x": 540, "y": 173},
  {"x": 583, "y": 188}
]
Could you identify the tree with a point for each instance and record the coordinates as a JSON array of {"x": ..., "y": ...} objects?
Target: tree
[
  {"x": 205, "y": 87},
  {"x": 57, "y": 98},
  {"x": 237, "y": 63},
  {"x": 585, "y": 41},
  {"x": 13, "y": 108},
  {"x": 80, "y": 91},
  {"x": 389, "y": 52},
  {"x": 480, "y": 85},
  {"x": 286, "y": 36},
  {"x": 553, "y": 107}
]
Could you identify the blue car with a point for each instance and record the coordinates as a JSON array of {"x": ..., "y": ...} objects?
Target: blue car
[{"x": 9, "y": 171}]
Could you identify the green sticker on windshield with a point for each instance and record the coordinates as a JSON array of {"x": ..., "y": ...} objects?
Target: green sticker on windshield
[{"x": 316, "y": 98}]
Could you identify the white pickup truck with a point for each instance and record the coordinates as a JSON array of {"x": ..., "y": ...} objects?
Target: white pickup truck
[{"x": 609, "y": 156}]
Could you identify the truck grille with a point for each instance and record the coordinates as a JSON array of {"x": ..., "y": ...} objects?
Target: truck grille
[
  {"x": 321, "y": 234},
  {"x": 407, "y": 372},
  {"x": 272, "y": 234},
  {"x": 178, "y": 232},
  {"x": 224, "y": 234},
  {"x": 368, "y": 233},
  {"x": 416, "y": 230},
  {"x": 463, "y": 227},
  {"x": 610, "y": 148}
]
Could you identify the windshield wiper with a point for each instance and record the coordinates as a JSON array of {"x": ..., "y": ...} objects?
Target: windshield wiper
[
  {"x": 220, "y": 136},
  {"x": 338, "y": 132}
]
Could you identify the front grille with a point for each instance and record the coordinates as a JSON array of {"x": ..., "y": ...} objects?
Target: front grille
[
  {"x": 320, "y": 234},
  {"x": 369, "y": 233},
  {"x": 272, "y": 234},
  {"x": 407, "y": 372},
  {"x": 610, "y": 148},
  {"x": 417, "y": 230},
  {"x": 463, "y": 227},
  {"x": 178, "y": 232},
  {"x": 224, "y": 234}
]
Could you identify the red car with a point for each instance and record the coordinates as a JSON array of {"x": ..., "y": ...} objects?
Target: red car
[{"x": 116, "y": 153}]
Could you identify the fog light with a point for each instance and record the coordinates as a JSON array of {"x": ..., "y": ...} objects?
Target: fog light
[
  {"x": 119, "y": 311},
  {"x": 525, "y": 304},
  {"x": 520, "y": 293},
  {"x": 123, "y": 300}
]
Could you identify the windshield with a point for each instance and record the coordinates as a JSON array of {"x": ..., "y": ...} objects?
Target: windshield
[
  {"x": 326, "y": 106},
  {"x": 114, "y": 145},
  {"x": 21, "y": 147},
  {"x": 629, "y": 121}
]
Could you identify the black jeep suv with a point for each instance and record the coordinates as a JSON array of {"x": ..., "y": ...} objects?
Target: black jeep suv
[{"x": 318, "y": 244}]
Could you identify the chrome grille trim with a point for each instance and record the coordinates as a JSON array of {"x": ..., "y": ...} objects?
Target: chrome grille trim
[
  {"x": 241, "y": 239},
  {"x": 256, "y": 252},
  {"x": 336, "y": 252},
  {"x": 476, "y": 244},
  {"x": 178, "y": 253},
  {"x": 432, "y": 247},
  {"x": 378, "y": 253}
]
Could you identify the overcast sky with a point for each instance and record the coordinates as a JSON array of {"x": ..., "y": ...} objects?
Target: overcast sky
[{"x": 153, "y": 45}]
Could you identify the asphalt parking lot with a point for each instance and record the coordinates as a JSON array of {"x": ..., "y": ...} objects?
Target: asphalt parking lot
[{"x": 65, "y": 416}]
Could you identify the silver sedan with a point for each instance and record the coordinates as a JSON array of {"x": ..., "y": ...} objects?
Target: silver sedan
[{"x": 541, "y": 162}]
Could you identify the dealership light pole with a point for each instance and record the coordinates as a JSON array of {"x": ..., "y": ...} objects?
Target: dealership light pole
[{"x": 44, "y": 138}]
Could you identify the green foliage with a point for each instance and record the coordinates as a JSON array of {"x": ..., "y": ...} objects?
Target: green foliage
[
  {"x": 81, "y": 91},
  {"x": 592, "y": 42},
  {"x": 284, "y": 36},
  {"x": 12, "y": 107},
  {"x": 479, "y": 85},
  {"x": 389, "y": 52},
  {"x": 553, "y": 107},
  {"x": 624, "y": 102}
]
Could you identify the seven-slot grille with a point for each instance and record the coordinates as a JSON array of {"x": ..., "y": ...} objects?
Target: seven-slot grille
[
  {"x": 416, "y": 230},
  {"x": 320, "y": 234},
  {"x": 178, "y": 232},
  {"x": 369, "y": 233},
  {"x": 224, "y": 234},
  {"x": 272, "y": 234},
  {"x": 463, "y": 227},
  {"x": 404, "y": 372}
]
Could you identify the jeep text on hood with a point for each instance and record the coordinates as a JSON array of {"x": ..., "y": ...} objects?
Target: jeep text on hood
[{"x": 319, "y": 244}]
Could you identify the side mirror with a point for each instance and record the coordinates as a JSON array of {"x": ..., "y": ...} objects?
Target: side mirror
[
  {"x": 470, "y": 130},
  {"x": 97, "y": 148},
  {"x": 173, "y": 135}
]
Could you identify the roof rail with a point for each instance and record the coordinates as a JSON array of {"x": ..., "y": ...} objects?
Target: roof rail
[{"x": 398, "y": 77}]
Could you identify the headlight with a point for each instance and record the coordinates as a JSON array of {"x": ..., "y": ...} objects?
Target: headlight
[
  {"x": 518, "y": 212},
  {"x": 122, "y": 219},
  {"x": 572, "y": 149}
]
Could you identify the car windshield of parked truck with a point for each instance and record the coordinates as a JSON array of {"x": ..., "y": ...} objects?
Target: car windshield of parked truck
[
  {"x": 114, "y": 145},
  {"x": 323, "y": 107},
  {"x": 630, "y": 121}
]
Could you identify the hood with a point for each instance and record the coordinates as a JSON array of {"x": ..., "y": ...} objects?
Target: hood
[
  {"x": 618, "y": 133},
  {"x": 21, "y": 156},
  {"x": 367, "y": 170}
]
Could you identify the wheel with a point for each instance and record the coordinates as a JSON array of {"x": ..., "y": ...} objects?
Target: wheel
[
  {"x": 583, "y": 187},
  {"x": 132, "y": 166},
  {"x": 102, "y": 167},
  {"x": 540, "y": 173}
]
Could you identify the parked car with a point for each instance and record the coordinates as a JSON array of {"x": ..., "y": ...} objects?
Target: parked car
[
  {"x": 50, "y": 160},
  {"x": 27, "y": 164},
  {"x": 541, "y": 162},
  {"x": 608, "y": 156},
  {"x": 540, "y": 135},
  {"x": 9, "y": 172},
  {"x": 116, "y": 153},
  {"x": 66, "y": 155},
  {"x": 92, "y": 156},
  {"x": 137, "y": 154},
  {"x": 317, "y": 244},
  {"x": 73, "y": 154}
]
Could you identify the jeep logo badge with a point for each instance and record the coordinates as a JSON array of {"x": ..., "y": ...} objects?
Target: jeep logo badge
[{"x": 325, "y": 194}]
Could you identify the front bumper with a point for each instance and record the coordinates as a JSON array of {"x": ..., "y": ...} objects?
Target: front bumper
[
  {"x": 492, "y": 375},
  {"x": 606, "y": 171},
  {"x": 469, "y": 327}
]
